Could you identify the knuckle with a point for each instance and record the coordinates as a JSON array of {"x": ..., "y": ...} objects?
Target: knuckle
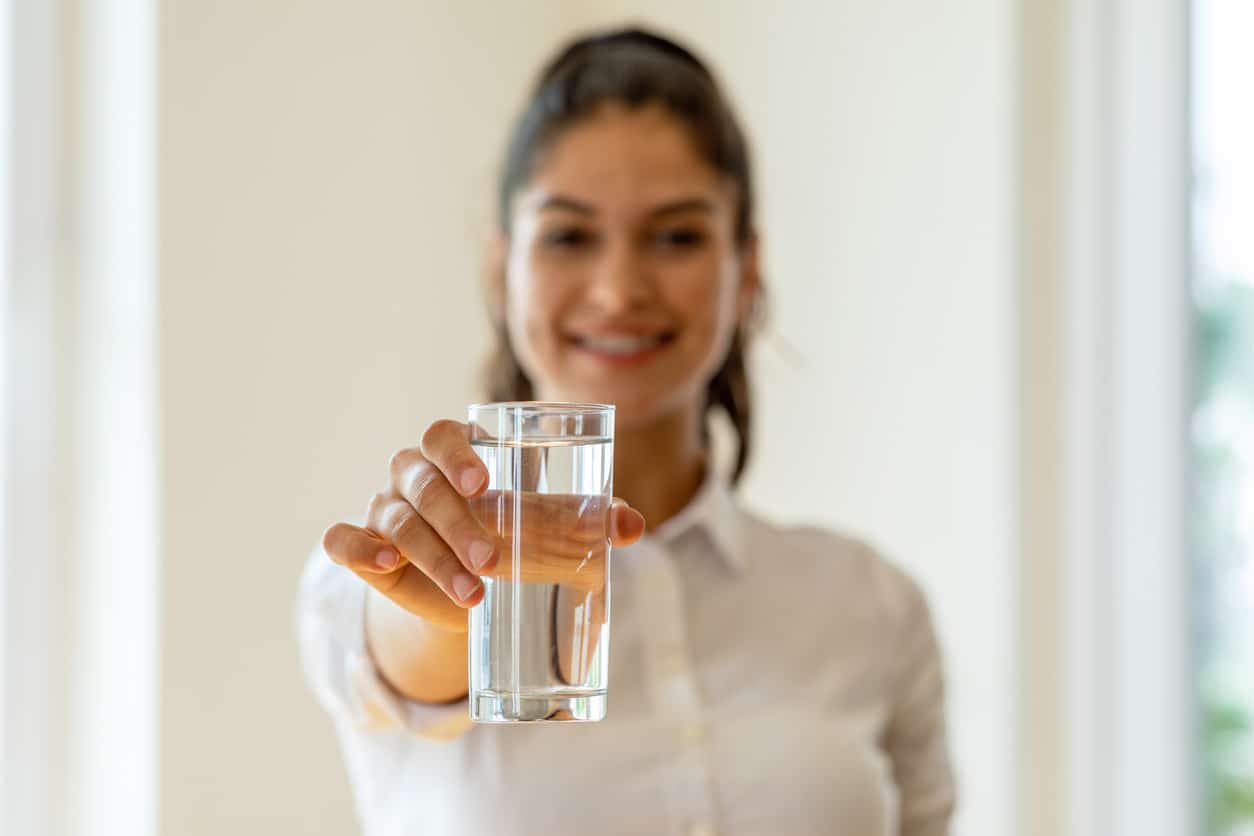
[
  {"x": 407, "y": 527},
  {"x": 424, "y": 493},
  {"x": 401, "y": 460},
  {"x": 438, "y": 430},
  {"x": 375, "y": 508}
]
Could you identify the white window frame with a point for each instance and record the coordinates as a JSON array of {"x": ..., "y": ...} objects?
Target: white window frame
[
  {"x": 79, "y": 515},
  {"x": 1108, "y": 706}
]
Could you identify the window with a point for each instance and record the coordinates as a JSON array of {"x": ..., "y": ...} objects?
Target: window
[
  {"x": 78, "y": 445},
  {"x": 1223, "y": 410}
]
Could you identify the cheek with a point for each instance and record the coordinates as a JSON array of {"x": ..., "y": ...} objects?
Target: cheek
[
  {"x": 531, "y": 308},
  {"x": 709, "y": 311}
]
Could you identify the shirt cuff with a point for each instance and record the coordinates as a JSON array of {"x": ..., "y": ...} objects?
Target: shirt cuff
[{"x": 342, "y": 671}]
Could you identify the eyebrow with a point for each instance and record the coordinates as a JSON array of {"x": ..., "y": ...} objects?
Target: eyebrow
[{"x": 692, "y": 204}]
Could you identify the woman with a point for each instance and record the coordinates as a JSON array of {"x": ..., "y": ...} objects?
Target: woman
[{"x": 764, "y": 680}]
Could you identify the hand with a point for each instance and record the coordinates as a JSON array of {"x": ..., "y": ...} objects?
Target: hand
[
  {"x": 562, "y": 538},
  {"x": 425, "y": 548}
]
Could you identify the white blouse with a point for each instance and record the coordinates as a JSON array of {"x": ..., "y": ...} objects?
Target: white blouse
[{"x": 762, "y": 681}]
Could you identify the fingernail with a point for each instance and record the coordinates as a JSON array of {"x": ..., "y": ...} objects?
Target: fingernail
[
  {"x": 465, "y": 586},
  {"x": 471, "y": 480},
  {"x": 632, "y": 525},
  {"x": 387, "y": 559},
  {"x": 479, "y": 553}
]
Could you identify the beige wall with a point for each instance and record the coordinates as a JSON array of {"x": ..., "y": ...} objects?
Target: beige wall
[
  {"x": 326, "y": 178},
  {"x": 324, "y": 171}
]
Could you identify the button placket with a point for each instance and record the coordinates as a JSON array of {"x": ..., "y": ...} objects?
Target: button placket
[{"x": 673, "y": 690}]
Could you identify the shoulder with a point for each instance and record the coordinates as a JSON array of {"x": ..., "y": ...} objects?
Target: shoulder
[{"x": 848, "y": 565}]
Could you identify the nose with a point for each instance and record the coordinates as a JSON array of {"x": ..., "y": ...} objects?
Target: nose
[{"x": 620, "y": 280}]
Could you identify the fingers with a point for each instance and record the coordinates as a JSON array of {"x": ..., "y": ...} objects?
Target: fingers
[
  {"x": 427, "y": 490},
  {"x": 422, "y": 596},
  {"x": 359, "y": 549},
  {"x": 397, "y": 522},
  {"x": 562, "y": 518},
  {"x": 427, "y": 541},
  {"x": 562, "y": 523},
  {"x": 626, "y": 524},
  {"x": 445, "y": 445},
  {"x": 541, "y": 566},
  {"x": 561, "y": 538},
  {"x": 366, "y": 554}
]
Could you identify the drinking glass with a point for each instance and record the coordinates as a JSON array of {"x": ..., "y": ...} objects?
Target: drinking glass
[{"x": 539, "y": 639}]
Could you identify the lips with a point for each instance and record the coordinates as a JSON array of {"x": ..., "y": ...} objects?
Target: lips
[{"x": 621, "y": 348}]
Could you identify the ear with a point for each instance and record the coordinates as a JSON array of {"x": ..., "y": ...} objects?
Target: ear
[{"x": 750, "y": 278}]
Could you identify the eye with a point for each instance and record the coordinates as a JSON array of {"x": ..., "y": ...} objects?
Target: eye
[
  {"x": 679, "y": 238},
  {"x": 567, "y": 238}
]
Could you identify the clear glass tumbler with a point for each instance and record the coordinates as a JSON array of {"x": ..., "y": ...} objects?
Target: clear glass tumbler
[{"x": 539, "y": 639}]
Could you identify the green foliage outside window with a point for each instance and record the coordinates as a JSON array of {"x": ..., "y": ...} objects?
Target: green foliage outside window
[{"x": 1223, "y": 440}]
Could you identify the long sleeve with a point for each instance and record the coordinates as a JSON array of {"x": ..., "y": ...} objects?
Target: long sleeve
[
  {"x": 331, "y": 630},
  {"x": 916, "y": 738}
]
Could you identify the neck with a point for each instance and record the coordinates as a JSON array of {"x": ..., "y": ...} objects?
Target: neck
[{"x": 658, "y": 466}]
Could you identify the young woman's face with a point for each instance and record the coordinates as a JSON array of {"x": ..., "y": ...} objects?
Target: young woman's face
[{"x": 624, "y": 279}]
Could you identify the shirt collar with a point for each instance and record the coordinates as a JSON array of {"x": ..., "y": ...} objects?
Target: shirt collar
[{"x": 712, "y": 509}]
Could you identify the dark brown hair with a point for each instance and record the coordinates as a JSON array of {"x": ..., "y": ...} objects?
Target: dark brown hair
[{"x": 636, "y": 68}]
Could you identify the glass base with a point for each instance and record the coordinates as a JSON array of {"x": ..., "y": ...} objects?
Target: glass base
[{"x": 503, "y": 707}]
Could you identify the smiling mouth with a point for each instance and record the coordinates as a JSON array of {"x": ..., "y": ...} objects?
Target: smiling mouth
[{"x": 622, "y": 347}]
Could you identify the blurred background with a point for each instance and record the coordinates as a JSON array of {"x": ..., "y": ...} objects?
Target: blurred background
[{"x": 1010, "y": 255}]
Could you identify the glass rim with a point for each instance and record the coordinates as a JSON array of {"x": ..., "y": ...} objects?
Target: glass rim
[{"x": 545, "y": 407}]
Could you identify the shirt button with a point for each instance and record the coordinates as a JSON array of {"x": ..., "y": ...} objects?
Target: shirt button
[{"x": 700, "y": 829}]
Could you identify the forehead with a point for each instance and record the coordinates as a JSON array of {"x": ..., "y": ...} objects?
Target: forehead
[{"x": 625, "y": 159}]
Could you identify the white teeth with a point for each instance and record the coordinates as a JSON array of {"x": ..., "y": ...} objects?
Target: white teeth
[{"x": 621, "y": 345}]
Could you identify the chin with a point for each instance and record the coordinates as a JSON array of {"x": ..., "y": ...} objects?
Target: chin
[{"x": 631, "y": 408}]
